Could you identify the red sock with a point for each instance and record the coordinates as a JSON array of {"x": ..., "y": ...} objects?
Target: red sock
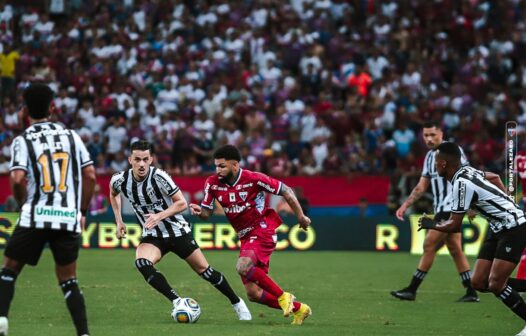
[
  {"x": 272, "y": 301},
  {"x": 260, "y": 278},
  {"x": 521, "y": 271}
]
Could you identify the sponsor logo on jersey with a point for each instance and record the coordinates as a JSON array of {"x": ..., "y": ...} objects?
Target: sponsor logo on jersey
[
  {"x": 266, "y": 186},
  {"x": 462, "y": 194},
  {"x": 236, "y": 208},
  {"x": 232, "y": 197},
  {"x": 32, "y": 136},
  {"x": 54, "y": 214},
  {"x": 216, "y": 187}
]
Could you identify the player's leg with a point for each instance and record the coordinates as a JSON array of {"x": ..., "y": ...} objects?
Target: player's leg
[
  {"x": 432, "y": 243},
  {"x": 454, "y": 245},
  {"x": 24, "y": 247},
  {"x": 199, "y": 264},
  {"x": 253, "y": 265},
  {"x": 146, "y": 256},
  {"x": 65, "y": 248}
]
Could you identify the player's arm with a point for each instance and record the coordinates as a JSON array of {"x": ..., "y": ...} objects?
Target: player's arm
[
  {"x": 495, "y": 179},
  {"x": 116, "y": 205},
  {"x": 17, "y": 179},
  {"x": 88, "y": 187},
  {"x": 200, "y": 211},
  {"x": 452, "y": 224},
  {"x": 292, "y": 201},
  {"x": 416, "y": 193},
  {"x": 179, "y": 205}
]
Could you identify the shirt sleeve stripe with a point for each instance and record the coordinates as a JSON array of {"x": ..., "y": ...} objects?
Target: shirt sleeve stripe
[
  {"x": 207, "y": 206},
  {"x": 18, "y": 167}
]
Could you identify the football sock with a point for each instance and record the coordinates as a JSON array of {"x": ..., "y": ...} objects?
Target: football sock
[
  {"x": 7, "y": 289},
  {"x": 272, "y": 301},
  {"x": 518, "y": 284},
  {"x": 75, "y": 302},
  {"x": 417, "y": 279},
  {"x": 155, "y": 278},
  {"x": 514, "y": 301},
  {"x": 257, "y": 276},
  {"x": 219, "y": 281},
  {"x": 466, "y": 282}
]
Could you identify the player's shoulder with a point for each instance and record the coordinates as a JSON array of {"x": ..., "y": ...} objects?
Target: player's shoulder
[{"x": 160, "y": 175}]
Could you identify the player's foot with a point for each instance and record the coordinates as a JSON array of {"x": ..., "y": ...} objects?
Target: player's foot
[
  {"x": 469, "y": 297},
  {"x": 404, "y": 294},
  {"x": 4, "y": 326},
  {"x": 286, "y": 302},
  {"x": 242, "y": 310},
  {"x": 522, "y": 332},
  {"x": 301, "y": 314}
]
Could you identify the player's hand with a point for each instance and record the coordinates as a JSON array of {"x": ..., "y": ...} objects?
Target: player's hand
[
  {"x": 425, "y": 222},
  {"x": 152, "y": 220},
  {"x": 304, "y": 222},
  {"x": 401, "y": 211},
  {"x": 121, "y": 230},
  {"x": 195, "y": 209}
]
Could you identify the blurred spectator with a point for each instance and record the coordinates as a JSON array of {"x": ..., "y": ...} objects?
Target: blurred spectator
[
  {"x": 8, "y": 60},
  {"x": 99, "y": 203}
]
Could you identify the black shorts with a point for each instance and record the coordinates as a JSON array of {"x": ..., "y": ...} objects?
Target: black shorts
[
  {"x": 183, "y": 246},
  {"x": 439, "y": 216},
  {"x": 505, "y": 245},
  {"x": 26, "y": 245}
]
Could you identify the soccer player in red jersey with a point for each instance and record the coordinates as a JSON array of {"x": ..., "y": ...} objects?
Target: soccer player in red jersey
[{"x": 241, "y": 193}]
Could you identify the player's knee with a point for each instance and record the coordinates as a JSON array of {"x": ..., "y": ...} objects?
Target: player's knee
[
  {"x": 496, "y": 284},
  {"x": 145, "y": 267},
  {"x": 243, "y": 267},
  {"x": 254, "y": 294}
]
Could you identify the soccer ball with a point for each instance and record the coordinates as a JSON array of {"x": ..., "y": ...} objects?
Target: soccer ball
[{"x": 186, "y": 311}]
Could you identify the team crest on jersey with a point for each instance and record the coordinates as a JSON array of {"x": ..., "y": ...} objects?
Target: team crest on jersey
[
  {"x": 150, "y": 192},
  {"x": 243, "y": 195}
]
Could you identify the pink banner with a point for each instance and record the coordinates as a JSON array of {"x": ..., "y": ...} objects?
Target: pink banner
[{"x": 319, "y": 190}]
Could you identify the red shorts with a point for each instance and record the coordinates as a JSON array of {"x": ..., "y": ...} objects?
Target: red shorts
[{"x": 258, "y": 246}]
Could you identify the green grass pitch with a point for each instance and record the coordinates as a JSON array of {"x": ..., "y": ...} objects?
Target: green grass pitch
[{"x": 348, "y": 292}]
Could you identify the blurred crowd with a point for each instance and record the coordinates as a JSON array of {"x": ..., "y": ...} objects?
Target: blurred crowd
[{"x": 303, "y": 87}]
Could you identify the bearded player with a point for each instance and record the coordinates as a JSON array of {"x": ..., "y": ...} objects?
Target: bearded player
[{"x": 241, "y": 193}]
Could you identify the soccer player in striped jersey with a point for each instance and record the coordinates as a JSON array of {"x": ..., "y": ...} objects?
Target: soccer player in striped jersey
[
  {"x": 241, "y": 193},
  {"x": 158, "y": 203},
  {"x": 503, "y": 246},
  {"x": 441, "y": 190},
  {"x": 60, "y": 180}
]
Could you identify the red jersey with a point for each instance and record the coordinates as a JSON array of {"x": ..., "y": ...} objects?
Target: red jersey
[
  {"x": 521, "y": 170},
  {"x": 244, "y": 201}
]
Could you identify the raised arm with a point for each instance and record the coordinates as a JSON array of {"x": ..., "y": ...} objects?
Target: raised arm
[
  {"x": 292, "y": 200},
  {"x": 495, "y": 179},
  {"x": 416, "y": 193}
]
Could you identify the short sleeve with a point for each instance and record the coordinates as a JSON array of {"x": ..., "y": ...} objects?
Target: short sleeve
[
  {"x": 166, "y": 183},
  {"x": 19, "y": 154},
  {"x": 268, "y": 184},
  {"x": 85, "y": 159},
  {"x": 462, "y": 195},
  {"x": 116, "y": 182},
  {"x": 208, "y": 198}
]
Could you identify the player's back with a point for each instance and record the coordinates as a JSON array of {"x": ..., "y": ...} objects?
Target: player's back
[{"x": 53, "y": 158}]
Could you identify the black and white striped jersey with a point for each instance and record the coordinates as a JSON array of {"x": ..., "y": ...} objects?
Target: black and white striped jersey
[
  {"x": 472, "y": 189},
  {"x": 151, "y": 195},
  {"x": 53, "y": 158},
  {"x": 440, "y": 187}
]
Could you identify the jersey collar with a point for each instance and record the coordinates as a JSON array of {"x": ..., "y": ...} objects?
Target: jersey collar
[{"x": 237, "y": 179}]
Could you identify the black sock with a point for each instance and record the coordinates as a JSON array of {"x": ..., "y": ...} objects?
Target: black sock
[
  {"x": 7, "y": 289},
  {"x": 514, "y": 301},
  {"x": 219, "y": 281},
  {"x": 518, "y": 284},
  {"x": 417, "y": 279},
  {"x": 466, "y": 282},
  {"x": 75, "y": 302},
  {"x": 155, "y": 278}
]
